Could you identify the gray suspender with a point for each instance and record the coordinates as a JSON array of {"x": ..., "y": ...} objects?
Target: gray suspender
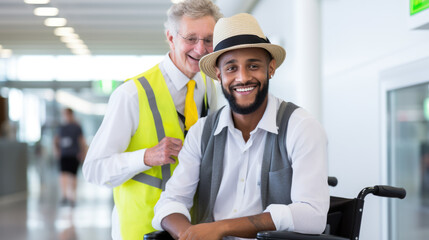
[
  {"x": 210, "y": 170},
  {"x": 276, "y": 157},
  {"x": 165, "y": 169}
]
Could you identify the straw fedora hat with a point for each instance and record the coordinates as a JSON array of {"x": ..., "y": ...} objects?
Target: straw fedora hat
[{"x": 239, "y": 31}]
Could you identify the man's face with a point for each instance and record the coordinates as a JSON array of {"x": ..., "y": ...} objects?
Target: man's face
[
  {"x": 244, "y": 75},
  {"x": 184, "y": 54},
  {"x": 67, "y": 116}
]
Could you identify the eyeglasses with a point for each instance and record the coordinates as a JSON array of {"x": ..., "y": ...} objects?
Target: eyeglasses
[{"x": 192, "y": 40}]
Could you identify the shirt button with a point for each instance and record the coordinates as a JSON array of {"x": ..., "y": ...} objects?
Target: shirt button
[
  {"x": 241, "y": 180},
  {"x": 235, "y": 210}
]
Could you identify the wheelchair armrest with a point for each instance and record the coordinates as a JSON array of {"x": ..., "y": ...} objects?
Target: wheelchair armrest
[
  {"x": 266, "y": 235},
  {"x": 158, "y": 235},
  {"x": 286, "y": 235}
]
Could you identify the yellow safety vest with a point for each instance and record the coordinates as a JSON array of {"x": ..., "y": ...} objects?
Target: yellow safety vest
[{"x": 136, "y": 198}]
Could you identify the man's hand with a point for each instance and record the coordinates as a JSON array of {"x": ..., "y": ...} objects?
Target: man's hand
[
  {"x": 243, "y": 227},
  {"x": 163, "y": 152},
  {"x": 203, "y": 231}
]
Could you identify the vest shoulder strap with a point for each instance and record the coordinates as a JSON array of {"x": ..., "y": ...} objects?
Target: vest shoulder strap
[
  {"x": 285, "y": 111},
  {"x": 209, "y": 128},
  {"x": 275, "y": 157},
  {"x": 210, "y": 169}
]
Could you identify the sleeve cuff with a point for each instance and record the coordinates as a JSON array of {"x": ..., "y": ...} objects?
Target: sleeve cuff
[
  {"x": 281, "y": 216},
  {"x": 163, "y": 211},
  {"x": 138, "y": 161}
]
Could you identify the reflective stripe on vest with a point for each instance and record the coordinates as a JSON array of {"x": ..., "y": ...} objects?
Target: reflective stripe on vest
[
  {"x": 206, "y": 104},
  {"x": 166, "y": 174}
]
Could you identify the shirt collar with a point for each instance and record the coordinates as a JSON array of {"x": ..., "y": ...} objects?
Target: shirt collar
[
  {"x": 267, "y": 122},
  {"x": 176, "y": 76},
  {"x": 269, "y": 119}
]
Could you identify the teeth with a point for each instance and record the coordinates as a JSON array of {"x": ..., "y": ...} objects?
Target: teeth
[{"x": 244, "y": 89}]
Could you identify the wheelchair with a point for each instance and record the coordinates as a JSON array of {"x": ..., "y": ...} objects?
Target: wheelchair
[{"x": 343, "y": 222}]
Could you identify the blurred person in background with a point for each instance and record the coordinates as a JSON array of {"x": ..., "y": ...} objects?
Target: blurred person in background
[{"x": 71, "y": 148}]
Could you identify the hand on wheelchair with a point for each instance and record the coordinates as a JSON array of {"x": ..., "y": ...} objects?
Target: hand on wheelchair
[{"x": 203, "y": 231}]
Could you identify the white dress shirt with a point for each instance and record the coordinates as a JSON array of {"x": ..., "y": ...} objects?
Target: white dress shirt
[
  {"x": 239, "y": 193},
  {"x": 106, "y": 162}
]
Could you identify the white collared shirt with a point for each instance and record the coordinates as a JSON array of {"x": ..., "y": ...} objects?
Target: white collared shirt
[
  {"x": 239, "y": 193},
  {"x": 106, "y": 162}
]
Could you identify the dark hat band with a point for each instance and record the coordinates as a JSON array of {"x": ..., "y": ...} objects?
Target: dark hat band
[{"x": 240, "y": 40}]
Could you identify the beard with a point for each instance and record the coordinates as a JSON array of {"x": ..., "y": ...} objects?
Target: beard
[{"x": 260, "y": 97}]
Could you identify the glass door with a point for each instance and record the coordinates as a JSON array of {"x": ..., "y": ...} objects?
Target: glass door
[{"x": 408, "y": 160}]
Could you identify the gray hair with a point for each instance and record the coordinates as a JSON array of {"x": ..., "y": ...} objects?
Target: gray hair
[{"x": 192, "y": 9}]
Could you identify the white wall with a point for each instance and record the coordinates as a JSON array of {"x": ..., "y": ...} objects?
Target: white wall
[
  {"x": 275, "y": 17},
  {"x": 360, "y": 39},
  {"x": 298, "y": 79}
]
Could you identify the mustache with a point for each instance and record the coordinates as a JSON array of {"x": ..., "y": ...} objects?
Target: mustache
[{"x": 245, "y": 84}]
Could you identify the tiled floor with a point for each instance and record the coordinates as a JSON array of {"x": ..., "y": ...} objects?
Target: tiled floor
[{"x": 39, "y": 214}]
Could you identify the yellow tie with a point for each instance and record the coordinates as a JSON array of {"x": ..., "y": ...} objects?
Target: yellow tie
[{"x": 191, "y": 112}]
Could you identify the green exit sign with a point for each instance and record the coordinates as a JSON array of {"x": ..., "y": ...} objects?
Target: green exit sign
[
  {"x": 104, "y": 87},
  {"x": 426, "y": 109},
  {"x": 418, "y": 6}
]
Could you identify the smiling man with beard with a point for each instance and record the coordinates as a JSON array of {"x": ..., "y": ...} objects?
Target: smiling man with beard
[
  {"x": 259, "y": 163},
  {"x": 243, "y": 88}
]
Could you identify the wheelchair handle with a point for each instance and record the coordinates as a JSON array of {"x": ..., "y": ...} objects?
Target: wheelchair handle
[
  {"x": 383, "y": 191},
  {"x": 332, "y": 181}
]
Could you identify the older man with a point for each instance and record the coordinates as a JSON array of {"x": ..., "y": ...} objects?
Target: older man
[
  {"x": 257, "y": 164},
  {"x": 135, "y": 149}
]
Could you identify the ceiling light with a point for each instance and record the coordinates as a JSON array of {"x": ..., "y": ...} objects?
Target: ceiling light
[
  {"x": 80, "y": 51},
  {"x": 71, "y": 40},
  {"x": 76, "y": 45},
  {"x": 36, "y": 1},
  {"x": 67, "y": 38},
  {"x": 46, "y": 11},
  {"x": 55, "y": 22},
  {"x": 5, "y": 53},
  {"x": 63, "y": 31},
  {"x": 80, "y": 47}
]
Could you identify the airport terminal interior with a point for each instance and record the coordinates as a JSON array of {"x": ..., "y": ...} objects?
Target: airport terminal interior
[{"x": 361, "y": 66}]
